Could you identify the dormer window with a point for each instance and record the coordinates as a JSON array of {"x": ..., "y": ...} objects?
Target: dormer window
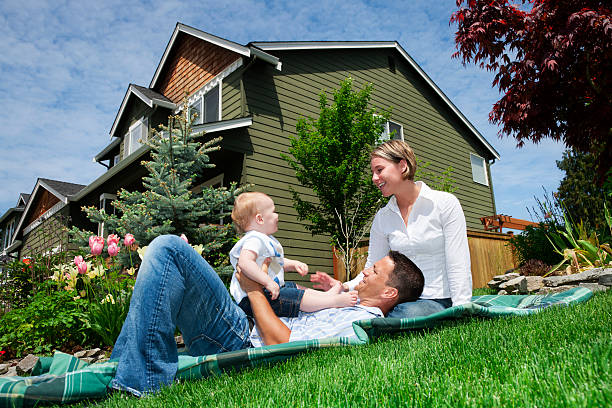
[
  {"x": 207, "y": 105},
  {"x": 136, "y": 135}
]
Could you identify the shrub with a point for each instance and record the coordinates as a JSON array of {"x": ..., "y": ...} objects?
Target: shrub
[
  {"x": 533, "y": 244},
  {"x": 52, "y": 319}
]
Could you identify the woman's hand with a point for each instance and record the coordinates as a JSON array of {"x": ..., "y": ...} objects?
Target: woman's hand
[{"x": 323, "y": 281}]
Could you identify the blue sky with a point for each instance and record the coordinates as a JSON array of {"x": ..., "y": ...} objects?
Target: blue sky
[{"x": 65, "y": 67}]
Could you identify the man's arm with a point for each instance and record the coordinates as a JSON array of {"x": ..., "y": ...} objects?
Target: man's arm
[{"x": 270, "y": 327}]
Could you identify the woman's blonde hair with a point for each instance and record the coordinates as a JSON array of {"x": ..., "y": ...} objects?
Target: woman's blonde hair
[
  {"x": 246, "y": 206},
  {"x": 395, "y": 151}
]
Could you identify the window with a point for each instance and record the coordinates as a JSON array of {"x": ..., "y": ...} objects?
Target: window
[
  {"x": 392, "y": 130},
  {"x": 479, "y": 169},
  {"x": 116, "y": 159},
  {"x": 207, "y": 106},
  {"x": 137, "y": 134},
  {"x": 8, "y": 233},
  {"x": 106, "y": 200}
]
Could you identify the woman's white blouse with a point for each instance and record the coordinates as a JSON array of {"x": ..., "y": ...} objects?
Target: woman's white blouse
[{"x": 435, "y": 239}]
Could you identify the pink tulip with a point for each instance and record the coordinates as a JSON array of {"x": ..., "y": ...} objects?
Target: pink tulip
[
  {"x": 112, "y": 239},
  {"x": 184, "y": 238},
  {"x": 91, "y": 240},
  {"x": 128, "y": 240},
  {"x": 113, "y": 249},
  {"x": 97, "y": 246},
  {"x": 78, "y": 259},
  {"x": 82, "y": 267}
]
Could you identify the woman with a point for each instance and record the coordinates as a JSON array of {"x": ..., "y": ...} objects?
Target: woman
[{"x": 427, "y": 226}]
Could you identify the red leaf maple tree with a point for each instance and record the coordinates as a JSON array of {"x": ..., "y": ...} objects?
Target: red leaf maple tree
[{"x": 553, "y": 64}]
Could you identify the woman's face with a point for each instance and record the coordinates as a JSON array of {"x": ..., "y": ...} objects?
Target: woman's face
[{"x": 387, "y": 175}]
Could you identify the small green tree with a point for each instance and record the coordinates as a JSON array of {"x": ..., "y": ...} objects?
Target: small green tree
[
  {"x": 331, "y": 157},
  {"x": 168, "y": 206},
  {"x": 582, "y": 199}
]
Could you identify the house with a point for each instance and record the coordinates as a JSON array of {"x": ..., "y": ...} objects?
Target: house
[
  {"x": 41, "y": 217},
  {"x": 252, "y": 95},
  {"x": 8, "y": 223}
]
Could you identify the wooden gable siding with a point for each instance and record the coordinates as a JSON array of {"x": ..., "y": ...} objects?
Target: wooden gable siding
[
  {"x": 193, "y": 62},
  {"x": 276, "y": 100},
  {"x": 46, "y": 200}
]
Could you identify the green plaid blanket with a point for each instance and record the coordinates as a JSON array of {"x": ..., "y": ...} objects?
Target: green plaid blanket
[{"x": 65, "y": 379}]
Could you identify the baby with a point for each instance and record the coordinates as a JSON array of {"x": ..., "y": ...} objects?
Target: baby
[{"x": 254, "y": 215}]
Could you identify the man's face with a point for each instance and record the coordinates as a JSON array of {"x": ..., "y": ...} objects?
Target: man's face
[{"x": 375, "y": 279}]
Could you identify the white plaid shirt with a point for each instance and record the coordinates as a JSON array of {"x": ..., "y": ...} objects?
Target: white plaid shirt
[{"x": 333, "y": 322}]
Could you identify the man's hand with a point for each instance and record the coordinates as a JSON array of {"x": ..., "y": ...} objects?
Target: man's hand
[
  {"x": 323, "y": 281},
  {"x": 247, "y": 284}
]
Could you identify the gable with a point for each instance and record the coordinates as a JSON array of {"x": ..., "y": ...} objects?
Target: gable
[
  {"x": 42, "y": 202},
  {"x": 191, "y": 64}
]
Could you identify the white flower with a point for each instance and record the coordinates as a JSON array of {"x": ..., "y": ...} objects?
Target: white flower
[{"x": 141, "y": 252}]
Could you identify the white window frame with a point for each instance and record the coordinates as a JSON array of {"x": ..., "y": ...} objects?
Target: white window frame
[
  {"x": 8, "y": 234},
  {"x": 128, "y": 136},
  {"x": 386, "y": 134},
  {"x": 102, "y": 205},
  {"x": 475, "y": 169},
  {"x": 198, "y": 97}
]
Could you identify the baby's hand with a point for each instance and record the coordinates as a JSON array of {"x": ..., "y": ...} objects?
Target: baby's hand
[
  {"x": 273, "y": 288},
  {"x": 301, "y": 268}
]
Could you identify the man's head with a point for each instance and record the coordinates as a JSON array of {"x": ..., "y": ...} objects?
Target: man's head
[{"x": 393, "y": 279}]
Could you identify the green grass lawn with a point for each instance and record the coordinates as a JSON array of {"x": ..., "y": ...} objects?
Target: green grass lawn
[{"x": 559, "y": 357}]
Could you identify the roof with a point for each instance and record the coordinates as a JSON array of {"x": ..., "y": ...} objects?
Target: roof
[
  {"x": 146, "y": 95},
  {"x": 23, "y": 197},
  {"x": 9, "y": 212},
  {"x": 210, "y": 127},
  {"x": 328, "y": 45},
  {"x": 61, "y": 189}
]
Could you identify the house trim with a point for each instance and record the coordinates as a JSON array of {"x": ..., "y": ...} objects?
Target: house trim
[
  {"x": 44, "y": 217},
  {"x": 150, "y": 103},
  {"x": 107, "y": 150},
  {"x": 213, "y": 39},
  {"x": 11, "y": 248},
  {"x": 207, "y": 127},
  {"x": 322, "y": 45}
]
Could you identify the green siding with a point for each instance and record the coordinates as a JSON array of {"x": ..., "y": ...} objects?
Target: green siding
[
  {"x": 277, "y": 99},
  {"x": 231, "y": 107}
]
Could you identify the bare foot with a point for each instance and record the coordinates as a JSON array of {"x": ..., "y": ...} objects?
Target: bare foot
[
  {"x": 335, "y": 289},
  {"x": 346, "y": 299}
]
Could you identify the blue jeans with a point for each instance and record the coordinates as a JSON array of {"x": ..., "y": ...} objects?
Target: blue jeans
[
  {"x": 419, "y": 308},
  {"x": 175, "y": 287},
  {"x": 287, "y": 304}
]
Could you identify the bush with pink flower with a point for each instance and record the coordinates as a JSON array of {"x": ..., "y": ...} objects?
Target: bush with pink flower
[{"x": 99, "y": 278}]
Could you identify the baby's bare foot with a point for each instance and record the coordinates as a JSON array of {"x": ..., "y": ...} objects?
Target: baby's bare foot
[{"x": 346, "y": 299}]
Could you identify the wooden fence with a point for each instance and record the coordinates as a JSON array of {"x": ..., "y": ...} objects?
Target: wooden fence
[{"x": 489, "y": 253}]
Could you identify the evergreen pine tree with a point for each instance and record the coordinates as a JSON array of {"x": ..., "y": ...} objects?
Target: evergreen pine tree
[{"x": 168, "y": 206}]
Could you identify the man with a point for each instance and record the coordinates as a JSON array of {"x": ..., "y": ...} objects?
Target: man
[{"x": 177, "y": 287}]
